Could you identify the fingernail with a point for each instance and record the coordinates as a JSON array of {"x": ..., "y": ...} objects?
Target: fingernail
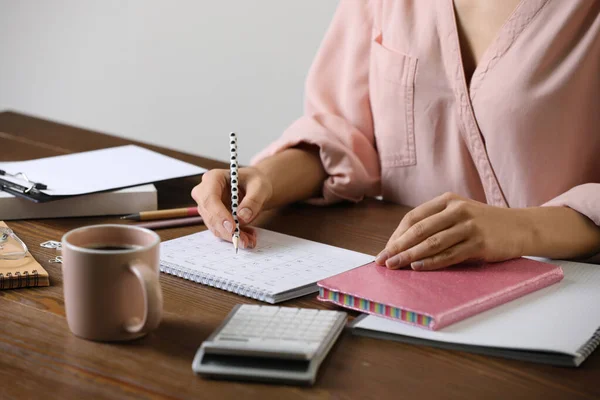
[
  {"x": 394, "y": 262},
  {"x": 382, "y": 257},
  {"x": 252, "y": 242},
  {"x": 228, "y": 226},
  {"x": 245, "y": 214},
  {"x": 417, "y": 265},
  {"x": 247, "y": 244}
]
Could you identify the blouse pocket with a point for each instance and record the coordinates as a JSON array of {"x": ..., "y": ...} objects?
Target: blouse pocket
[{"x": 392, "y": 82}]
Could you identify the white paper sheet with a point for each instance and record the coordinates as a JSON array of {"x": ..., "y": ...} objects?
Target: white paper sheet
[
  {"x": 279, "y": 262},
  {"x": 558, "y": 318},
  {"x": 100, "y": 170}
]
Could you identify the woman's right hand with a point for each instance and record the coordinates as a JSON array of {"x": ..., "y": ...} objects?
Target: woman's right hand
[{"x": 213, "y": 196}]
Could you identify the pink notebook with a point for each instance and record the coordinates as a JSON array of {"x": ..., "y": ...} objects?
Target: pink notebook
[{"x": 435, "y": 299}]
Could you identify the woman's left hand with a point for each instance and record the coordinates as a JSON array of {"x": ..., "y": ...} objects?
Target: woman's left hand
[{"x": 450, "y": 229}]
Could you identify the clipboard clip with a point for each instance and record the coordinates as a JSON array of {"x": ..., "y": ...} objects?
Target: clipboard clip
[{"x": 32, "y": 186}]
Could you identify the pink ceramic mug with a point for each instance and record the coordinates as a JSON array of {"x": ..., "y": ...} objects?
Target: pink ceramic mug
[{"x": 110, "y": 278}]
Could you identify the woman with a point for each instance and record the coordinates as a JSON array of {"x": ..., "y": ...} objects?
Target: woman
[{"x": 481, "y": 114}]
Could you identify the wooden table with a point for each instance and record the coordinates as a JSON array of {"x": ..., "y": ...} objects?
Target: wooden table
[{"x": 40, "y": 358}]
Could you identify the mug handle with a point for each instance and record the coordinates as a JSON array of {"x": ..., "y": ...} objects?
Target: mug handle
[{"x": 152, "y": 298}]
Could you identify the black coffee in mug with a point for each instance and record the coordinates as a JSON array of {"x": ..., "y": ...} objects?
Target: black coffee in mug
[{"x": 112, "y": 247}]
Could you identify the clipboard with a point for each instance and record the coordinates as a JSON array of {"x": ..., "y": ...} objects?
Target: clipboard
[
  {"x": 30, "y": 190},
  {"x": 59, "y": 177}
]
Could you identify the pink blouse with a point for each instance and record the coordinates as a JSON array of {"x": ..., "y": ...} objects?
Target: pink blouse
[{"x": 389, "y": 107}]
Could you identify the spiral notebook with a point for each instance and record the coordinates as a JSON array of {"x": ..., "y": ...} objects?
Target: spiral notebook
[
  {"x": 25, "y": 272},
  {"x": 280, "y": 268},
  {"x": 558, "y": 325}
]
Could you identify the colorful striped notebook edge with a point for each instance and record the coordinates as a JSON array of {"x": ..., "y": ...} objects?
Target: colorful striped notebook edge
[{"x": 371, "y": 307}]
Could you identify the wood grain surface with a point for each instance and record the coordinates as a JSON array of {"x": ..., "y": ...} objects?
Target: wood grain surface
[{"x": 40, "y": 358}]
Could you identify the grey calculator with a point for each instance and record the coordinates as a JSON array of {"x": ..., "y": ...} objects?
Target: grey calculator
[{"x": 269, "y": 343}]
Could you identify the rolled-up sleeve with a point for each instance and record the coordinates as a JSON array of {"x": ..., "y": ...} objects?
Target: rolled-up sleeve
[
  {"x": 337, "y": 114},
  {"x": 584, "y": 199}
]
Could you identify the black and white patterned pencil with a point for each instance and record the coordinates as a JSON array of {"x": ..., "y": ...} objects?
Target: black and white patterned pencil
[{"x": 233, "y": 170}]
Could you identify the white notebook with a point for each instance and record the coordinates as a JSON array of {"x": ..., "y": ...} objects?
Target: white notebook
[
  {"x": 118, "y": 202},
  {"x": 558, "y": 325},
  {"x": 281, "y": 267}
]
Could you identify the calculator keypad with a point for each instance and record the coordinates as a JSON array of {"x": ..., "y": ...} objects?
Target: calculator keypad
[{"x": 281, "y": 328}]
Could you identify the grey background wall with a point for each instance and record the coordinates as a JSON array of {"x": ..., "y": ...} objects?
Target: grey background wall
[{"x": 181, "y": 74}]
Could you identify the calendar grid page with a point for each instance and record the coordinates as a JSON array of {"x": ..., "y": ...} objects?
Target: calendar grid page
[{"x": 278, "y": 264}]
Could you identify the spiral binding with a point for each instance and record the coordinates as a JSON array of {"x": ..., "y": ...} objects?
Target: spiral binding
[
  {"x": 590, "y": 345},
  {"x": 215, "y": 281},
  {"x": 19, "y": 280}
]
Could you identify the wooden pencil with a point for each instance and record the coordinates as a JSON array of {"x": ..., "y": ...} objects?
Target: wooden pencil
[
  {"x": 171, "y": 223},
  {"x": 163, "y": 214},
  {"x": 234, "y": 178}
]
